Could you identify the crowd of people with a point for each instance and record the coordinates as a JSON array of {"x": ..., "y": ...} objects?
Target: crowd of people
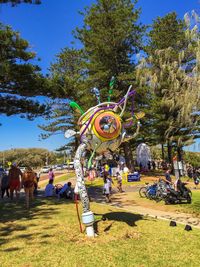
[{"x": 12, "y": 182}]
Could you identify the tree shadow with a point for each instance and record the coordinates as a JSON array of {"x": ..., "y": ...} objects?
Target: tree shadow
[
  {"x": 120, "y": 216},
  {"x": 12, "y": 214}
]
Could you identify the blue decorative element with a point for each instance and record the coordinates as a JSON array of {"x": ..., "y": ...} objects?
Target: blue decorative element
[{"x": 96, "y": 92}]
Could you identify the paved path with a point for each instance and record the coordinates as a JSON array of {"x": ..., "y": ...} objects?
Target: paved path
[{"x": 126, "y": 202}]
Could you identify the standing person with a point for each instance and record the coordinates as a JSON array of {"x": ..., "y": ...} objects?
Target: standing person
[
  {"x": 168, "y": 177},
  {"x": 28, "y": 181},
  {"x": 36, "y": 184},
  {"x": 119, "y": 182},
  {"x": 107, "y": 189},
  {"x": 190, "y": 172},
  {"x": 4, "y": 186},
  {"x": 149, "y": 165},
  {"x": 195, "y": 178},
  {"x": 126, "y": 171},
  {"x": 51, "y": 175},
  {"x": 153, "y": 165},
  {"x": 110, "y": 181},
  {"x": 14, "y": 180}
]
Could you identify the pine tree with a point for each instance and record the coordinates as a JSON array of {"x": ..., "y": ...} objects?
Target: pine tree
[
  {"x": 111, "y": 37},
  {"x": 171, "y": 70},
  {"x": 19, "y": 78}
]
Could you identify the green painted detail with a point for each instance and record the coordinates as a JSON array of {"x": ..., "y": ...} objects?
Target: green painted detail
[
  {"x": 111, "y": 86},
  {"x": 76, "y": 107}
]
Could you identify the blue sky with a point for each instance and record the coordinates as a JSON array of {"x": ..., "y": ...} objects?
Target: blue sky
[{"x": 48, "y": 29}]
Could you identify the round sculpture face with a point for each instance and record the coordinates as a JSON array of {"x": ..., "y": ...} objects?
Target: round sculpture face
[{"x": 107, "y": 125}]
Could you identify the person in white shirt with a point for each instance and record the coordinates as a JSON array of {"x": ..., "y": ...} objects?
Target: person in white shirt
[{"x": 49, "y": 189}]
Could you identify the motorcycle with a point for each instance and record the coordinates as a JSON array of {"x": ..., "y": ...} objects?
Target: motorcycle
[{"x": 176, "y": 197}]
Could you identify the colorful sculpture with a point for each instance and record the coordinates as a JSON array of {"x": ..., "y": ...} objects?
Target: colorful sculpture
[{"x": 101, "y": 129}]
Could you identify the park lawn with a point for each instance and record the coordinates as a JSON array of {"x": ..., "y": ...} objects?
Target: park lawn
[
  {"x": 57, "y": 180},
  {"x": 48, "y": 235}
]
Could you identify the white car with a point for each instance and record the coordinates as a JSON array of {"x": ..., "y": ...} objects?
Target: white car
[
  {"x": 45, "y": 169},
  {"x": 71, "y": 165},
  {"x": 59, "y": 167}
]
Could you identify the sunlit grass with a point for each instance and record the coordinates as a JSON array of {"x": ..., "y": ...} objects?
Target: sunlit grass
[{"x": 48, "y": 235}]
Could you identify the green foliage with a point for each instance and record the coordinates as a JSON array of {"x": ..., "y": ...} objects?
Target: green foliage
[
  {"x": 193, "y": 158},
  {"x": 19, "y": 78},
  {"x": 171, "y": 71},
  {"x": 166, "y": 32},
  {"x": 33, "y": 157},
  {"x": 110, "y": 37}
]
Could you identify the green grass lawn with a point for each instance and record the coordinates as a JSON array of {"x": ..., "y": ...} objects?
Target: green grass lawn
[
  {"x": 48, "y": 235},
  {"x": 57, "y": 180}
]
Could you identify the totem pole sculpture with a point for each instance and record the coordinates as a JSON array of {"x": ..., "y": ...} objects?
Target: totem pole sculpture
[{"x": 101, "y": 129}]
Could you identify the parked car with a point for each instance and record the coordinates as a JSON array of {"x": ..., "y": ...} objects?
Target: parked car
[
  {"x": 59, "y": 167},
  {"x": 45, "y": 169},
  {"x": 71, "y": 165},
  {"x": 65, "y": 166}
]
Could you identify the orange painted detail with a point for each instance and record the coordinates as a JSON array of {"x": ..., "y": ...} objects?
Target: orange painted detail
[{"x": 108, "y": 125}]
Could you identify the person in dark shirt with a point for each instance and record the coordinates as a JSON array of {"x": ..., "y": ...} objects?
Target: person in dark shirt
[
  {"x": 168, "y": 177},
  {"x": 4, "y": 186}
]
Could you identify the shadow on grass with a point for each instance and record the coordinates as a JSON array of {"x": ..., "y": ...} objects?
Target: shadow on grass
[
  {"x": 120, "y": 216},
  {"x": 15, "y": 217}
]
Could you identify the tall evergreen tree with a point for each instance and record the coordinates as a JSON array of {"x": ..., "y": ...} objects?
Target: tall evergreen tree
[
  {"x": 19, "y": 78},
  {"x": 111, "y": 37},
  {"x": 171, "y": 72}
]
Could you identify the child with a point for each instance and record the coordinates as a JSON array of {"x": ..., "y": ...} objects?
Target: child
[
  {"x": 107, "y": 189},
  {"x": 119, "y": 182}
]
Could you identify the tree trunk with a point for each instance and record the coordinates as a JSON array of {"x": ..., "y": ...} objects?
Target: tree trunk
[
  {"x": 128, "y": 156},
  {"x": 169, "y": 150},
  {"x": 180, "y": 153},
  {"x": 163, "y": 151}
]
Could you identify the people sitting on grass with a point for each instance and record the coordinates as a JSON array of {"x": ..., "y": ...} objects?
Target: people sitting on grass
[
  {"x": 66, "y": 191},
  {"x": 49, "y": 189},
  {"x": 28, "y": 182}
]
